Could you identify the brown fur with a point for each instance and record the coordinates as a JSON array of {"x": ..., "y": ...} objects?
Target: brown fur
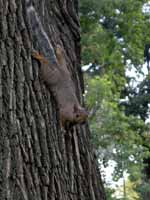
[{"x": 58, "y": 79}]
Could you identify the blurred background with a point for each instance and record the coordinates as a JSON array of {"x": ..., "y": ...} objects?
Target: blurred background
[{"x": 115, "y": 61}]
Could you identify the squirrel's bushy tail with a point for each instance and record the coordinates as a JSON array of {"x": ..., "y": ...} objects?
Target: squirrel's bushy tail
[{"x": 39, "y": 34}]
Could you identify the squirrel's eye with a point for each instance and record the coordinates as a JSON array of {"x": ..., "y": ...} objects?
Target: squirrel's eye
[{"x": 77, "y": 115}]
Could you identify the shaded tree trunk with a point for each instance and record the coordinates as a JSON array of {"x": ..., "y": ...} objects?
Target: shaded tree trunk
[{"x": 38, "y": 160}]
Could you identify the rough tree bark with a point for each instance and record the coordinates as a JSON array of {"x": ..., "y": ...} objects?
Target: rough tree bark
[{"x": 37, "y": 160}]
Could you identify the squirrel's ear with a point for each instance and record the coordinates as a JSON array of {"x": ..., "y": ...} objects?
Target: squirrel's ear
[{"x": 60, "y": 55}]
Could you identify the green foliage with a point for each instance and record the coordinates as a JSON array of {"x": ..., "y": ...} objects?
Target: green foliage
[
  {"x": 114, "y": 34},
  {"x": 113, "y": 29},
  {"x": 112, "y": 129},
  {"x": 144, "y": 190},
  {"x": 109, "y": 193},
  {"x": 128, "y": 191},
  {"x": 139, "y": 99}
]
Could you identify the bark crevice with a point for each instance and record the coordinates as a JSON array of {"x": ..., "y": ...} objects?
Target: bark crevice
[{"x": 39, "y": 161}]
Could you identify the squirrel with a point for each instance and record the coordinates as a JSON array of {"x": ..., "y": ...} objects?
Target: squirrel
[{"x": 55, "y": 73}]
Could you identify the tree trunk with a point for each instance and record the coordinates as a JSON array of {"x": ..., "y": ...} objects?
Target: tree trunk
[{"x": 38, "y": 160}]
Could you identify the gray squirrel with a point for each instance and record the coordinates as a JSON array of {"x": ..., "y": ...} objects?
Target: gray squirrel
[{"x": 55, "y": 73}]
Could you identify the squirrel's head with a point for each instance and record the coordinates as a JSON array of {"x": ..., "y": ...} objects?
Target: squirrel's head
[
  {"x": 73, "y": 115},
  {"x": 80, "y": 115}
]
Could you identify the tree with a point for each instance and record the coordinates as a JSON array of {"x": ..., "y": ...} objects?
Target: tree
[{"x": 37, "y": 159}]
